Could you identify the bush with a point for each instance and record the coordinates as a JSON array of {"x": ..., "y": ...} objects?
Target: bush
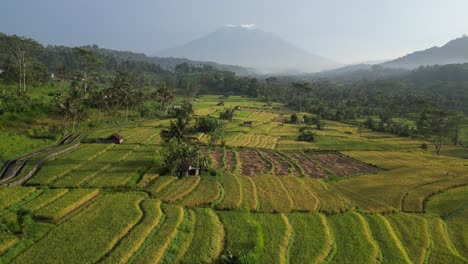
[
  {"x": 227, "y": 114},
  {"x": 306, "y": 134},
  {"x": 294, "y": 119}
]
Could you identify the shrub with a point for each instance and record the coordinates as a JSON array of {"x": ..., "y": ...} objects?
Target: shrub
[
  {"x": 227, "y": 114},
  {"x": 306, "y": 134}
]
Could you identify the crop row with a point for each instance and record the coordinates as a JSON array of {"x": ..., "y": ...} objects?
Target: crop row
[
  {"x": 65, "y": 204},
  {"x": 129, "y": 228},
  {"x": 62, "y": 165},
  {"x": 89, "y": 235},
  {"x": 92, "y": 168},
  {"x": 255, "y": 193}
]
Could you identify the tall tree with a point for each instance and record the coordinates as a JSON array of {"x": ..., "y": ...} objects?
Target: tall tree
[
  {"x": 301, "y": 90},
  {"x": 124, "y": 90},
  {"x": 21, "y": 55},
  {"x": 71, "y": 107},
  {"x": 87, "y": 61},
  {"x": 439, "y": 128},
  {"x": 165, "y": 95}
]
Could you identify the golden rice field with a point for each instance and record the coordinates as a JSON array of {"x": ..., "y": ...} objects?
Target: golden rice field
[{"x": 348, "y": 197}]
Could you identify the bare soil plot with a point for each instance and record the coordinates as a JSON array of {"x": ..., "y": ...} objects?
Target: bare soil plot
[
  {"x": 281, "y": 167},
  {"x": 309, "y": 167},
  {"x": 217, "y": 157},
  {"x": 251, "y": 163},
  {"x": 341, "y": 165},
  {"x": 231, "y": 160}
]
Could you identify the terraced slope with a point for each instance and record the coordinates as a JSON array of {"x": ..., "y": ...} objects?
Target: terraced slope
[{"x": 349, "y": 197}]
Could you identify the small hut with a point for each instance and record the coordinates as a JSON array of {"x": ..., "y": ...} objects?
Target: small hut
[
  {"x": 115, "y": 138},
  {"x": 248, "y": 123},
  {"x": 238, "y": 108},
  {"x": 185, "y": 169}
]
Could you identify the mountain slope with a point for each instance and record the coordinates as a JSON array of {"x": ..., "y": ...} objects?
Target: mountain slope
[
  {"x": 252, "y": 48},
  {"x": 455, "y": 51}
]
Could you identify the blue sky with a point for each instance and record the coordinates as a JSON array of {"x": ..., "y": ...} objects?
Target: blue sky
[{"x": 344, "y": 30}]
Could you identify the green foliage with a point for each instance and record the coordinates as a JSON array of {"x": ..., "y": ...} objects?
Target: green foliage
[
  {"x": 208, "y": 124},
  {"x": 306, "y": 134},
  {"x": 228, "y": 114}
]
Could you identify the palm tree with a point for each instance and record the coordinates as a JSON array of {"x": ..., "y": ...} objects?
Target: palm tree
[
  {"x": 165, "y": 94},
  {"x": 301, "y": 89},
  {"x": 71, "y": 107}
]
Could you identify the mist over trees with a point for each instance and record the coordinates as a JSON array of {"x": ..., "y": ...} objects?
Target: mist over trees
[{"x": 91, "y": 82}]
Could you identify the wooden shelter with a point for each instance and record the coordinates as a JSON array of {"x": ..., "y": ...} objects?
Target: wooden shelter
[
  {"x": 114, "y": 138},
  {"x": 248, "y": 123},
  {"x": 185, "y": 169}
]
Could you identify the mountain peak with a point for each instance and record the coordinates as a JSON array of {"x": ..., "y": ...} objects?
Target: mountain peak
[{"x": 247, "y": 45}]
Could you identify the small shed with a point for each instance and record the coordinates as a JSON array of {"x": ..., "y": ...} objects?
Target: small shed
[
  {"x": 196, "y": 99},
  {"x": 248, "y": 123},
  {"x": 237, "y": 107},
  {"x": 184, "y": 169},
  {"x": 114, "y": 138}
]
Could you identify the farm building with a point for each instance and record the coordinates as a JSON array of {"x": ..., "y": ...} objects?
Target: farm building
[
  {"x": 185, "y": 169},
  {"x": 114, "y": 138},
  {"x": 237, "y": 107},
  {"x": 248, "y": 123}
]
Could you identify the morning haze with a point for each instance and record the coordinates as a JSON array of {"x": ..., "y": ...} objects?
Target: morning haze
[{"x": 344, "y": 31}]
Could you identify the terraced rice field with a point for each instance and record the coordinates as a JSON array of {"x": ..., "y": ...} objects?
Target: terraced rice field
[
  {"x": 111, "y": 217},
  {"x": 312, "y": 239},
  {"x": 349, "y": 197}
]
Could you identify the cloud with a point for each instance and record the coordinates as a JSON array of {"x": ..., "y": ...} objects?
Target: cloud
[{"x": 246, "y": 26}]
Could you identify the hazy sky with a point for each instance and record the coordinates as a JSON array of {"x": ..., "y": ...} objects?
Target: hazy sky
[{"x": 344, "y": 30}]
